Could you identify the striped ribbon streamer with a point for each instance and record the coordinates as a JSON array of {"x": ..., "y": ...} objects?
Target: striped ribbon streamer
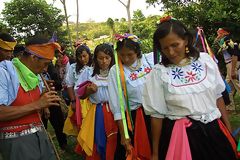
[
  {"x": 120, "y": 93},
  {"x": 129, "y": 117}
]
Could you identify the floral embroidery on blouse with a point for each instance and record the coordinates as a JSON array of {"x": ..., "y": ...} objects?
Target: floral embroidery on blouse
[
  {"x": 188, "y": 75},
  {"x": 141, "y": 72}
]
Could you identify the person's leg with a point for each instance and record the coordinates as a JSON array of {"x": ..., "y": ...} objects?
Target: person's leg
[
  {"x": 34, "y": 146},
  {"x": 57, "y": 121},
  {"x": 231, "y": 106}
]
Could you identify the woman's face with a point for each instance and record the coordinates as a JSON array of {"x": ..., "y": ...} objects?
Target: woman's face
[
  {"x": 83, "y": 58},
  {"x": 103, "y": 60},
  {"x": 127, "y": 56},
  {"x": 173, "y": 47}
]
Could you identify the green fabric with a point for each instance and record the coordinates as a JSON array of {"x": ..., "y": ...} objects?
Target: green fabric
[
  {"x": 28, "y": 80},
  {"x": 238, "y": 148}
]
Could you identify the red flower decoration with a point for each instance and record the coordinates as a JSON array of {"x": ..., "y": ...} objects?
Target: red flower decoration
[
  {"x": 147, "y": 69},
  {"x": 191, "y": 76},
  {"x": 133, "y": 76},
  {"x": 165, "y": 19}
]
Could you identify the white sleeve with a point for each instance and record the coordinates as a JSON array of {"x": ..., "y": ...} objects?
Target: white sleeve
[
  {"x": 70, "y": 77},
  {"x": 113, "y": 94},
  {"x": 219, "y": 83},
  {"x": 84, "y": 76},
  {"x": 153, "y": 95},
  {"x": 4, "y": 94}
]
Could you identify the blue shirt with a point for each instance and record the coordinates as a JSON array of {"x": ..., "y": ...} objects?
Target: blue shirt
[{"x": 9, "y": 83}]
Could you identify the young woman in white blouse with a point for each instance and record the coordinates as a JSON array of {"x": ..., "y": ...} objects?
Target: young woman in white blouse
[
  {"x": 135, "y": 68},
  {"x": 98, "y": 130},
  {"x": 83, "y": 61},
  {"x": 183, "y": 96}
]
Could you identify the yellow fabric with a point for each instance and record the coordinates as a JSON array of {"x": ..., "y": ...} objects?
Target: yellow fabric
[
  {"x": 7, "y": 45},
  {"x": 46, "y": 50},
  {"x": 69, "y": 128},
  {"x": 54, "y": 61},
  {"x": 86, "y": 134},
  {"x": 85, "y": 107}
]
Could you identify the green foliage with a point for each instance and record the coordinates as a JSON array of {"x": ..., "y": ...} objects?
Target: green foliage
[
  {"x": 29, "y": 17},
  {"x": 3, "y": 27},
  {"x": 144, "y": 29},
  {"x": 210, "y": 14},
  {"x": 138, "y": 15}
]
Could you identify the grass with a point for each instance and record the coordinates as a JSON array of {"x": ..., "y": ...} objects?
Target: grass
[{"x": 69, "y": 154}]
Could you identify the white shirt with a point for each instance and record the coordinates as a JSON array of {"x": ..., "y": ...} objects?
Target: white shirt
[
  {"x": 176, "y": 92},
  {"x": 72, "y": 76},
  {"x": 134, "y": 81}
]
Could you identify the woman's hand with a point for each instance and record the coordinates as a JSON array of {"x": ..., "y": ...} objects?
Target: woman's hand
[
  {"x": 127, "y": 145},
  {"x": 91, "y": 88}
]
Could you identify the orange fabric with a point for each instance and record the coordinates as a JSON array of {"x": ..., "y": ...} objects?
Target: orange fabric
[
  {"x": 111, "y": 130},
  {"x": 23, "y": 98},
  {"x": 46, "y": 50},
  {"x": 141, "y": 141},
  {"x": 132, "y": 155},
  {"x": 229, "y": 136},
  {"x": 125, "y": 93}
]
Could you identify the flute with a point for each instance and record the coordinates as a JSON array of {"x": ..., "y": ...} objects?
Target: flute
[{"x": 49, "y": 137}]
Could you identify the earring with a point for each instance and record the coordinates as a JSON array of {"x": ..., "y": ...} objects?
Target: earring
[{"x": 186, "y": 50}]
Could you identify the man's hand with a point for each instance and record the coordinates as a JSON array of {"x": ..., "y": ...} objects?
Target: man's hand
[
  {"x": 51, "y": 84},
  {"x": 48, "y": 99}
]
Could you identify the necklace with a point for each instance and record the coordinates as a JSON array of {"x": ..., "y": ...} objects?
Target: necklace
[
  {"x": 139, "y": 64},
  {"x": 182, "y": 63},
  {"x": 104, "y": 73}
]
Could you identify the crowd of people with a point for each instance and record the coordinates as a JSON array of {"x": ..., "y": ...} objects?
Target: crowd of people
[{"x": 122, "y": 104}]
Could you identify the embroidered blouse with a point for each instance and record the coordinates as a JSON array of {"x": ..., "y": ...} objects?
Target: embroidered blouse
[
  {"x": 192, "y": 90},
  {"x": 134, "y": 82},
  {"x": 102, "y": 92}
]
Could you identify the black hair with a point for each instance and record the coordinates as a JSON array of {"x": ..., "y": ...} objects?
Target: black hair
[
  {"x": 37, "y": 39},
  {"x": 6, "y": 37},
  {"x": 178, "y": 28},
  {"x": 18, "y": 50},
  {"x": 107, "y": 49},
  {"x": 79, "y": 51},
  {"x": 130, "y": 44}
]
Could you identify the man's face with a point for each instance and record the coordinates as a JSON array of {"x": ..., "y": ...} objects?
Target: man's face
[
  {"x": 40, "y": 65},
  {"x": 5, "y": 54}
]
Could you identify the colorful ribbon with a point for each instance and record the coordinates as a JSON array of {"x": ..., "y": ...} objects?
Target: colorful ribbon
[
  {"x": 121, "y": 102},
  {"x": 128, "y": 110}
]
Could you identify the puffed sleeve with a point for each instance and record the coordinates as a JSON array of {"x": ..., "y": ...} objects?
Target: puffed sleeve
[
  {"x": 113, "y": 94},
  {"x": 153, "y": 95},
  {"x": 219, "y": 83},
  {"x": 70, "y": 76},
  {"x": 84, "y": 76}
]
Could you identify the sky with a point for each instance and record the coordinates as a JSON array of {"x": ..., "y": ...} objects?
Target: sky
[{"x": 100, "y": 10}]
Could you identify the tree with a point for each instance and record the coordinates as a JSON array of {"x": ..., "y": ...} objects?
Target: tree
[
  {"x": 77, "y": 19},
  {"x": 3, "y": 27},
  {"x": 110, "y": 24},
  {"x": 26, "y": 20},
  {"x": 210, "y": 14},
  {"x": 138, "y": 15},
  {"x": 66, "y": 19},
  {"x": 127, "y": 6}
]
